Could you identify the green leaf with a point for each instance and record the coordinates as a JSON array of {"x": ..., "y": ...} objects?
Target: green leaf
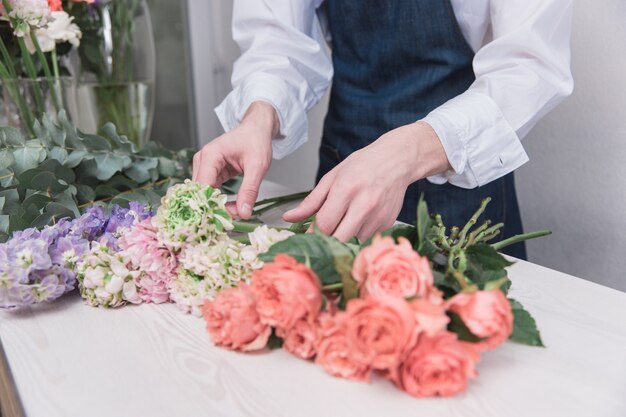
[
  {"x": 167, "y": 167},
  {"x": 487, "y": 257},
  {"x": 11, "y": 136},
  {"x": 4, "y": 223},
  {"x": 309, "y": 248},
  {"x": 108, "y": 165},
  {"x": 47, "y": 182},
  {"x": 457, "y": 326},
  {"x": 343, "y": 258},
  {"x": 6, "y": 158},
  {"x": 85, "y": 193},
  {"x": 28, "y": 156},
  {"x": 274, "y": 342},
  {"x": 58, "y": 153},
  {"x": 524, "y": 326},
  {"x": 38, "y": 200},
  {"x": 140, "y": 171},
  {"x": 76, "y": 157}
]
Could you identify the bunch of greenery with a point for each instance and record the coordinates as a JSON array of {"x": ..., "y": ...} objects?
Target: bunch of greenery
[{"x": 61, "y": 171}]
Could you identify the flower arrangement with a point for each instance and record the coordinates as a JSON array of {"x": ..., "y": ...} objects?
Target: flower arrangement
[
  {"x": 406, "y": 306},
  {"x": 416, "y": 305}
]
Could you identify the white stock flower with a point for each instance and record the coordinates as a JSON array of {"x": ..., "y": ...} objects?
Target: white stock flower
[
  {"x": 59, "y": 29},
  {"x": 263, "y": 237},
  {"x": 209, "y": 267},
  {"x": 28, "y": 14},
  {"x": 105, "y": 280}
]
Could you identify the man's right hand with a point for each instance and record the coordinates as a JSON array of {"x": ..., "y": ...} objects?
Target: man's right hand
[{"x": 246, "y": 149}]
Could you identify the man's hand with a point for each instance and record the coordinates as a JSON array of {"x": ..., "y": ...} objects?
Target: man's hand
[
  {"x": 363, "y": 194},
  {"x": 247, "y": 150}
]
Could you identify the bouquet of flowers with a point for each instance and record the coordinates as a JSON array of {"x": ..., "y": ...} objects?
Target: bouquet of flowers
[{"x": 413, "y": 305}]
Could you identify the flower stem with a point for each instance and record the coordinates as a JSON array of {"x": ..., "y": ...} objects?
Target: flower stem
[
  {"x": 46, "y": 71},
  {"x": 332, "y": 287},
  {"x": 273, "y": 202},
  {"x": 472, "y": 221},
  {"x": 520, "y": 238}
]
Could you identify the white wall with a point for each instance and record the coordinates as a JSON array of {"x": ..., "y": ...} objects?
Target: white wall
[{"x": 575, "y": 183}]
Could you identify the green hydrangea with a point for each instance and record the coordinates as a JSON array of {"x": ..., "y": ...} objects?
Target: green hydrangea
[{"x": 192, "y": 213}]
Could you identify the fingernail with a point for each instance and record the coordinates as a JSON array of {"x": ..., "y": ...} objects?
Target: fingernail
[{"x": 246, "y": 209}]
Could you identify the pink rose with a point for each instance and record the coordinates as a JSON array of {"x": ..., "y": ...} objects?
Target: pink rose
[
  {"x": 300, "y": 339},
  {"x": 387, "y": 268},
  {"x": 286, "y": 291},
  {"x": 233, "y": 322},
  {"x": 379, "y": 330},
  {"x": 431, "y": 318},
  {"x": 438, "y": 365},
  {"x": 487, "y": 314},
  {"x": 334, "y": 354}
]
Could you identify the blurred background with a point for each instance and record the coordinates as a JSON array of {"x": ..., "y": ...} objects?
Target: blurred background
[{"x": 574, "y": 184}]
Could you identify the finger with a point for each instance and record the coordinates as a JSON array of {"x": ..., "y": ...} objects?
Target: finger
[
  {"x": 332, "y": 212},
  {"x": 312, "y": 202},
  {"x": 356, "y": 216},
  {"x": 210, "y": 170},
  {"x": 197, "y": 163},
  {"x": 231, "y": 207},
  {"x": 369, "y": 229},
  {"x": 249, "y": 190}
]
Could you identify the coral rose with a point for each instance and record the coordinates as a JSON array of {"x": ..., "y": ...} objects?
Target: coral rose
[
  {"x": 387, "y": 268},
  {"x": 431, "y": 318},
  {"x": 438, "y": 365},
  {"x": 301, "y": 339},
  {"x": 487, "y": 314},
  {"x": 233, "y": 322},
  {"x": 334, "y": 355},
  {"x": 286, "y": 291},
  {"x": 380, "y": 330}
]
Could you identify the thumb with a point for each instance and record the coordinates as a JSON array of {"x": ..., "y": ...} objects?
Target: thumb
[{"x": 249, "y": 190}]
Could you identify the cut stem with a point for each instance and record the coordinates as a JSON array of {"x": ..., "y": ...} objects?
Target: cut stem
[
  {"x": 520, "y": 238},
  {"x": 472, "y": 221}
]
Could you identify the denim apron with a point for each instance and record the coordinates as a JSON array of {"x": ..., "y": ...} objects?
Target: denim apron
[{"x": 395, "y": 61}]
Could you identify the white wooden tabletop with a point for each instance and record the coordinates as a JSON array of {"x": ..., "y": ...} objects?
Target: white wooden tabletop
[{"x": 68, "y": 359}]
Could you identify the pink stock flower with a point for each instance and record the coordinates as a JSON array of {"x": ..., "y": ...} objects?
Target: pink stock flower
[
  {"x": 334, "y": 353},
  {"x": 487, "y": 314},
  {"x": 233, "y": 322},
  {"x": 379, "y": 331},
  {"x": 286, "y": 291},
  {"x": 387, "y": 268},
  {"x": 155, "y": 261},
  {"x": 301, "y": 339},
  {"x": 438, "y": 365}
]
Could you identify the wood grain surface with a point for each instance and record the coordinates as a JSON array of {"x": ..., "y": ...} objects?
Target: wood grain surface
[{"x": 69, "y": 359}]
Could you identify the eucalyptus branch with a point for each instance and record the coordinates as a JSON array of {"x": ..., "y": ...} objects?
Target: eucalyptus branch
[{"x": 144, "y": 187}]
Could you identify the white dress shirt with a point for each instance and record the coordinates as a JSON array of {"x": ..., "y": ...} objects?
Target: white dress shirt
[{"x": 522, "y": 68}]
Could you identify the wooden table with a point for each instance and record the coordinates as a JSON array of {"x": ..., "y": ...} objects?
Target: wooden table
[{"x": 68, "y": 359}]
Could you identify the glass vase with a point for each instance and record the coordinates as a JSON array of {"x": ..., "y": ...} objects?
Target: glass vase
[
  {"x": 24, "y": 100},
  {"x": 116, "y": 67}
]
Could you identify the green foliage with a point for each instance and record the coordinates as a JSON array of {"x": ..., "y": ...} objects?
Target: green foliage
[
  {"x": 62, "y": 170},
  {"x": 524, "y": 327},
  {"x": 329, "y": 258}
]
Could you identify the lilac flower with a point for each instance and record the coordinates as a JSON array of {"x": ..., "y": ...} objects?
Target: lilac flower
[{"x": 37, "y": 266}]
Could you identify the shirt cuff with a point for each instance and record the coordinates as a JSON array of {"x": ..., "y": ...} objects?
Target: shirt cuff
[
  {"x": 480, "y": 144},
  {"x": 271, "y": 89}
]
